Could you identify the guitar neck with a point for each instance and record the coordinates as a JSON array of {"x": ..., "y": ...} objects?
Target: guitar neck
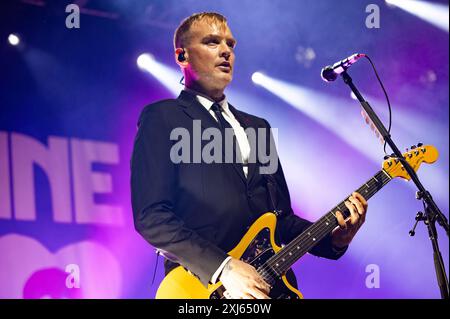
[{"x": 290, "y": 253}]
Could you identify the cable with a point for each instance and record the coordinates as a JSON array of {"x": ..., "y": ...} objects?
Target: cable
[{"x": 387, "y": 98}]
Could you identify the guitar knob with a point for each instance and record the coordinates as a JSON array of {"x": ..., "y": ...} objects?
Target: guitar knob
[{"x": 419, "y": 145}]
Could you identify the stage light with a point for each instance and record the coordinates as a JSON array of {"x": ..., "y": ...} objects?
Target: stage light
[
  {"x": 145, "y": 60},
  {"x": 13, "y": 39},
  {"x": 390, "y": 4},
  {"x": 169, "y": 77},
  {"x": 257, "y": 77},
  {"x": 434, "y": 13}
]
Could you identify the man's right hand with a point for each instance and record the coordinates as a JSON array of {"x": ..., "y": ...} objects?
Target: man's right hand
[{"x": 242, "y": 281}]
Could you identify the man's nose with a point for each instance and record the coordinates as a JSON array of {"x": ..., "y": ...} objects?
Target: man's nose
[{"x": 225, "y": 51}]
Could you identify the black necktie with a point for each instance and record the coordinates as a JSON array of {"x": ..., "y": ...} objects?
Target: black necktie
[{"x": 217, "y": 109}]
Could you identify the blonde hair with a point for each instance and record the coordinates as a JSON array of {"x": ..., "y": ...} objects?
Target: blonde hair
[{"x": 180, "y": 38}]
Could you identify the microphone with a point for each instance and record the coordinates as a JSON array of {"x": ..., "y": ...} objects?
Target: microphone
[{"x": 331, "y": 72}]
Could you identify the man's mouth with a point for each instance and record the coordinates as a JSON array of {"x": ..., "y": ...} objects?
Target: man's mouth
[{"x": 225, "y": 66}]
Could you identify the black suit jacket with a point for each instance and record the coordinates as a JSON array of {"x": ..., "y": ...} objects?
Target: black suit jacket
[{"x": 196, "y": 212}]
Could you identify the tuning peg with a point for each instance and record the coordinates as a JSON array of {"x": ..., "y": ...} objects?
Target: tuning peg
[{"x": 419, "y": 145}]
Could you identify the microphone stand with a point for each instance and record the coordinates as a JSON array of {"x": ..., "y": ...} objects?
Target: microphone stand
[{"x": 432, "y": 212}]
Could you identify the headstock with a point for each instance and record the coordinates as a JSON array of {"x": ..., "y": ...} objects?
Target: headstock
[{"x": 416, "y": 156}]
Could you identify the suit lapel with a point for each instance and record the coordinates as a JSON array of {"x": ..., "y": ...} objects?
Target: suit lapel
[{"x": 196, "y": 111}]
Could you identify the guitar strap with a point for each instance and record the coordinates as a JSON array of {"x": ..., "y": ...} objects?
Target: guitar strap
[
  {"x": 156, "y": 265},
  {"x": 272, "y": 189}
]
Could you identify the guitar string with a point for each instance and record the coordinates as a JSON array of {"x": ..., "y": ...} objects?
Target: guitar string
[
  {"x": 269, "y": 268},
  {"x": 371, "y": 192},
  {"x": 319, "y": 230},
  {"x": 322, "y": 230},
  {"x": 271, "y": 262},
  {"x": 314, "y": 231}
]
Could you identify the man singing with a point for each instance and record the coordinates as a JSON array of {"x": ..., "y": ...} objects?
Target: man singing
[{"x": 194, "y": 212}]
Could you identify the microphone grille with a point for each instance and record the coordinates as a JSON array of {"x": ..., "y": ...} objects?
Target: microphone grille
[{"x": 328, "y": 74}]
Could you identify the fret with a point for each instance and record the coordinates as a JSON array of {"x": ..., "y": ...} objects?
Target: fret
[
  {"x": 386, "y": 174},
  {"x": 366, "y": 189}
]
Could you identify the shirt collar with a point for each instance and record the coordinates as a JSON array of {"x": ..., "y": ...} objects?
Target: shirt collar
[{"x": 208, "y": 102}]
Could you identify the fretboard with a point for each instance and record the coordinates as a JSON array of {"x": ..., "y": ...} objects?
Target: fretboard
[{"x": 289, "y": 254}]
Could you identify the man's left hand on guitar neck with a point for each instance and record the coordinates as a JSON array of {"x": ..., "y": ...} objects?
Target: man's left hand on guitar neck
[{"x": 343, "y": 235}]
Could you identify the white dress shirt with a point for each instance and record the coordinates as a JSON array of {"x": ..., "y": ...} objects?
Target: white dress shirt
[
  {"x": 244, "y": 146},
  {"x": 239, "y": 132}
]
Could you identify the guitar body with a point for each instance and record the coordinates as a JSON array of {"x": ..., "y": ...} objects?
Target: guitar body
[{"x": 255, "y": 248}]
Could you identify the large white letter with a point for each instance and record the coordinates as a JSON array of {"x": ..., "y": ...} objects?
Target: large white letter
[
  {"x": 86, "y": 182},
  {"x": 54, "y": 161}
]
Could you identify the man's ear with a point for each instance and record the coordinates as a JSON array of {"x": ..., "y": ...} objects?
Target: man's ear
[{"x": 181, "y": 57}]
